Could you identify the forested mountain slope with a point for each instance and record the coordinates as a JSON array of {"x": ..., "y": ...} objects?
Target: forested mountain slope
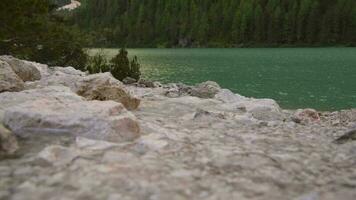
[{"x": 219, "y": 22}]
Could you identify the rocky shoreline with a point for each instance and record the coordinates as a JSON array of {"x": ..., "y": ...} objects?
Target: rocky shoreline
[{"x": 65, "y": 134}]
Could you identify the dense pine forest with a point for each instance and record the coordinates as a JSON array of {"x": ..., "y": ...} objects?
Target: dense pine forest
[{"x": 222, "y": 23}]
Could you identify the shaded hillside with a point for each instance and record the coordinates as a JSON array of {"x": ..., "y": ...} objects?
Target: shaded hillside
[{"x": 219, "y": 22}]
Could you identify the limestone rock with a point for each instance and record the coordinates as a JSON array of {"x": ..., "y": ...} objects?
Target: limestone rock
[
  {"x": 146, "y": 83},
  {"x": 26, "y": 70},
  {"x": 57, "y": 155},
  {"x": 204, "y": 115},
  {"x": 177, "y": 90},
  {"x": 93, "y": 145},
  {"x": 104, "y": 87},
  {"x": 206, "y": 90},
  {"x": 9, "y": 99},
  {"x": 348, "y": 136},
  {"x": 8, "y": 142},
  {"x": 9, "y": 81},
  {"x": 107, "y": 120},
  {"x": 129, "y": 80},
  {"x": 305, "y": 116},
  {"x": 227, "y": 96},
  {"x": 262, "y": 109},
  {"x": 61, "y": 76}
]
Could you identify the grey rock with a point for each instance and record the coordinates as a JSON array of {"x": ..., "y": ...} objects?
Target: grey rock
[
  {"x": 129, "y": 80},
  {"x": 105, "y": 87},
  {"x": 107, "y": 120},
  {"x": 227, "y": 96},
  {"x": 261, "y": 109},
  {"x": 348, "y": 136},
  {"x": 26, "y": 70},
  {"x": 9, "y": 80},
  {"x": 205, "y": 90},
  {"x": 146, "y": 83},
  {"x": 204, "y": 115},
  {"x": 8, "y": 142},
  {"x": 57, "y": 155},
  {"x": 10, "y": 99},
  {"x": 94, "y": 145},
  {"x": 101, "y": 86}
]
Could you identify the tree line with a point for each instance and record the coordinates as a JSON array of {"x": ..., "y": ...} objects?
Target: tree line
[
  {"x": 226, "y": 23},
  {"x": 36, "y": 30}
]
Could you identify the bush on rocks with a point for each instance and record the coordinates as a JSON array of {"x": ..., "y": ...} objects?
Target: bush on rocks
[{"x": 120, "y": 66}]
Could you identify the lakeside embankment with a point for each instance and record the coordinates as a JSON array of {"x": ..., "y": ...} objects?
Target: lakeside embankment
[{"x": 70, "y": 135}]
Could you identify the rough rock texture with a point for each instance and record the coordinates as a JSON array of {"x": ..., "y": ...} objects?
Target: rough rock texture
[
  {"x": 101, "y": 86},
  {"x": 26, "y": 70},
  {"x": 146, "y": 83},
  {"x": 104, "y": 87},
  {"x": 206, "y": 90},
  {"x": 10, "y": 99},
  {"x": 92, "y": 119},
  {"x": 222, "y": 146},
  {"x": 8, "y": 142},
  {"x": 192, "y": 148},
  {"x": 9, "y": 81}
]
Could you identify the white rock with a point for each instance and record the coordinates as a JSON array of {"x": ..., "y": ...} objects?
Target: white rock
[
  {"x": 151, "y": 141},
  {"x": 9, "y": 99},
  {"x": 118, "y": 157},
  {"x": 263, "y": 109},
  {"x": 8, "y": 142},
  {"x": 107, "y": 120},
  {"x": 57, "y": 155},
  {"x": 95, "y": 145},
  {"x": 207, "y": 89},
  {"x": 101, "y": 86},
  {"x": 227, "y": 96}
]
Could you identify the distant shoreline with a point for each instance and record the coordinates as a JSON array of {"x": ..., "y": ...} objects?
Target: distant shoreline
[{"x": 227, "y": 46}]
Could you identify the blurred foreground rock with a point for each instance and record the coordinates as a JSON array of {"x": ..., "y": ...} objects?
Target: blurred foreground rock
[
  {"x": 8, "y": 142},
  {"x": 78, "y": 141}
]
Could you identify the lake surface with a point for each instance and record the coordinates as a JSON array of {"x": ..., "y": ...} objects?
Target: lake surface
[{"x": 320, "y": 78}]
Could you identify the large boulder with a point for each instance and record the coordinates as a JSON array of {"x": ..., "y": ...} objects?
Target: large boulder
[
  {"x": 205, "y": 90},
  {"x": 9, "y": 80},
  {"x": 107, "y": 120},
  {"x": 60, "y": 76},
  {"x": 101, "y": 86},
  {"x": 105, "y": 87},
  {"x": 26, "y": 70},
  {"x": 8, "y": 142},
  {"x": 9, "y": 99},
  {"x": 262, "y": 109}
]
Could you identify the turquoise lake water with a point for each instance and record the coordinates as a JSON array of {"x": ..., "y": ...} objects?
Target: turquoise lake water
[{"x": 320, "y": 78}]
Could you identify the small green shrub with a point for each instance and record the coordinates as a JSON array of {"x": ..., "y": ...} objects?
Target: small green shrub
[
  {"x": 98, "y": 64},
  {"x": 120, "y": 66},
  {"x": 135, "y": 69}
]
